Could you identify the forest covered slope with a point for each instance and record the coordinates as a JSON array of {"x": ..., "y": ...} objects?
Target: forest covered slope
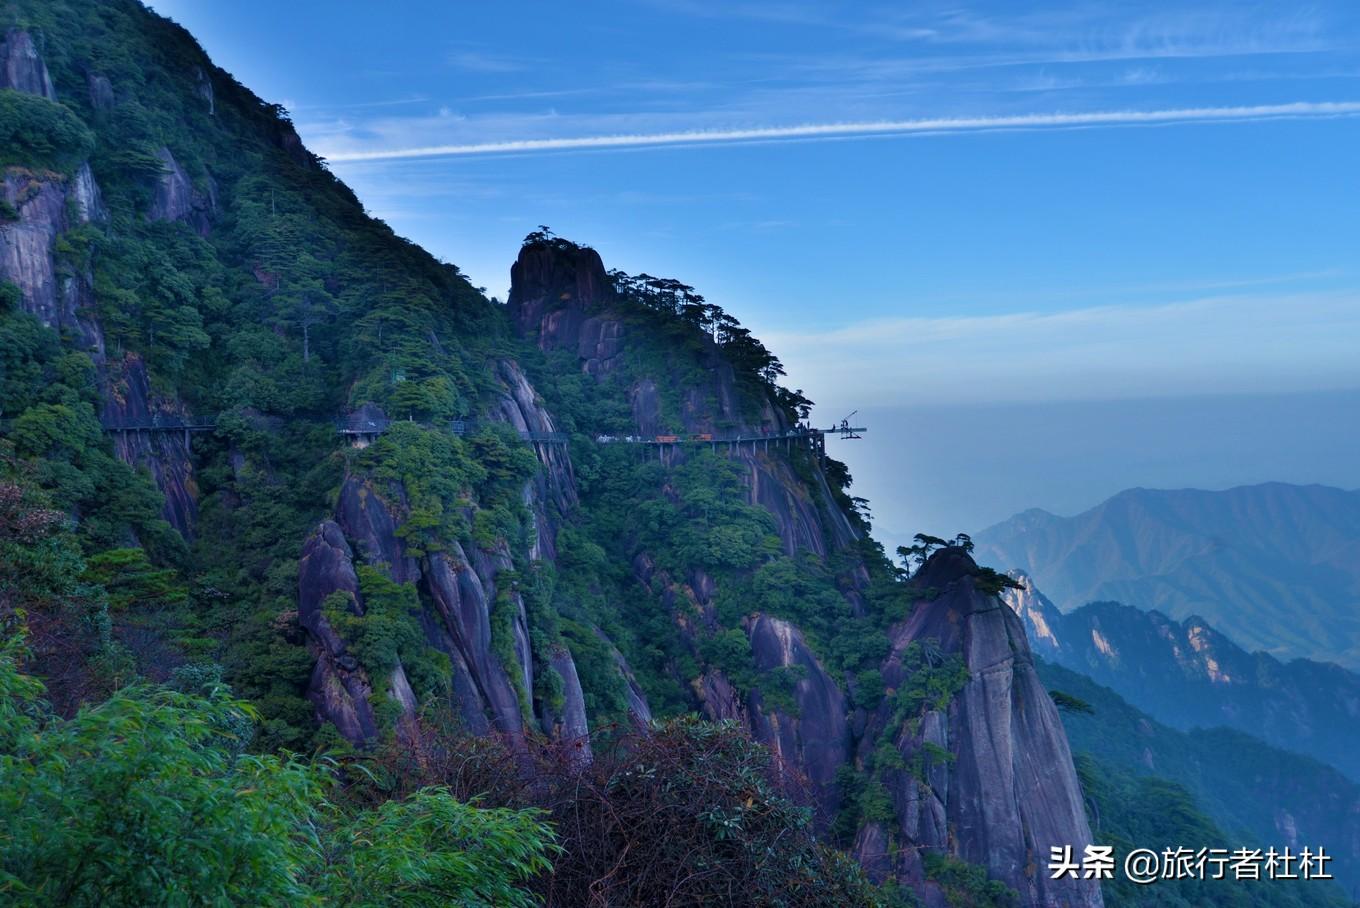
[{"x": 1246, "y": 790}]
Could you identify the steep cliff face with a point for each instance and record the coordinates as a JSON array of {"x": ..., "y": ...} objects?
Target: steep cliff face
[
  {"x": 339, "y": 687},
  {"x": 60, "y": 293},
  {"x": 60, "y": 299},
  {"x": 1041, "y": 618},
  {"x": 459, "y": 588},
  {"x": 815, "y": 735},
  {"x": 562, "y": 299},
  {"x": 551, "y": 495},
  {"x": 986, "y": 775},
  {"x": 129, "y": 401},
  {"x": 1006, "y": 792},
  {"x": 1187, "y": 674},
  {"x": 22, "y": 67},
  {"x": 176, "y": 199}
]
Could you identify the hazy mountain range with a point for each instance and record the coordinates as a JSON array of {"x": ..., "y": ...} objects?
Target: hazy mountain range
[
  {"x": 1275, "y": 567},
  {"x": 1189, "y": 675}
]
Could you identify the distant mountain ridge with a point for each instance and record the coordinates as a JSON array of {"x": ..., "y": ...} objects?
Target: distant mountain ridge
[
  {"x": 1188, "y": 675},
  {"x": 1276, "y": 567}
]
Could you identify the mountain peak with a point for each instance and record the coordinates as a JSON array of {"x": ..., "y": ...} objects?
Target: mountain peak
[
  {"x": 946, "y": 566},
  {"x": 551, "y": 273}
]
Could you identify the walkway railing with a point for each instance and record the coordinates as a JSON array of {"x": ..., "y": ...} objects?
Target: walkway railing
[
  {"x": 358, "y": 426},
  {"x": 159, "y": 423},
  {"x": 800, "y": 433},
  {"x": 367, "y": 427}
]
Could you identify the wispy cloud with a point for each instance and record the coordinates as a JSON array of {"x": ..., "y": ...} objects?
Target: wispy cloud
[
  {"x": 939, "y": 125},
  {"x": 481, "y": 62},
  {"x": 1268, "y": 342},
  {"x": 357, "y": 105}
]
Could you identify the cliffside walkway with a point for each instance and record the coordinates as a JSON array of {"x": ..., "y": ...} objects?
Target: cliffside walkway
[
  {"x": 365, "y": 428},
  {"x": 810, "y": 435},
  {"x": 159, "y": 423},
  {"x": 358, "y": 428}
]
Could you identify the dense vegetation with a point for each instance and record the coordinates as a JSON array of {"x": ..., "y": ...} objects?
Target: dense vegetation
[
  {"x": 688, "y": 813},
  {"x": 1154, "y": 787},
  {"x": 1132, "y": 811},
  {"x": 150, "y": 794},
  {"x": 148, "y": 798}
]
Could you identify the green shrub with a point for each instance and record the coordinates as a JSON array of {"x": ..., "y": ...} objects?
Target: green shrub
[{"x": 36, "y": 132}]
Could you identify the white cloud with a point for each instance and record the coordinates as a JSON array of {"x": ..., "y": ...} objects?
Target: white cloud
[
  {"x": 480, "y": 62},
  {"x": 938, "y": 125},
  {"x": 1220, "y": 344}
]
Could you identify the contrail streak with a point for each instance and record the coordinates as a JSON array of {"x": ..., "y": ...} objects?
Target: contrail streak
[{"x": 872, "y": 128}]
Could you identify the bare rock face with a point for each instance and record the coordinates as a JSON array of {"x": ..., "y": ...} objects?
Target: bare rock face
[
  {"x": 26, "y": 247},
  {"x": 547, "y": 278},
  {"x": 550, "y": 495},
  {"x": 1041, "y": 618},
  {"x": 203, "y": 87},
  {"x": 1010, "y": 792},
  {"x": 128, "y": 401},
  {"x": 101, "y": 92},
  {"x": 89, "y": 202},
  {"x": 26, "y": 244},
  {"x": 370, "y": 522},
  {"x": 176, "y": 199},
  {"x": 339, "y": 688},
  {"x": 817, "y": 739},
  {"x": 22, "y": 67},
  {"x": 463, "y": 631},
  {"x": 458, "y": 589},
  {"x": 568, "y": 723},
  {"x": 774, "y": 487},
  {"x": 638, "y": 709}
]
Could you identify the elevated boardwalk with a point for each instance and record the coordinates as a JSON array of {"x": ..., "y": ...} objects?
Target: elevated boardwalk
[
  {"x": 363, "y": 429},
  {"x": 809, "y": 435},
  {"x": 160, "y": 424}
]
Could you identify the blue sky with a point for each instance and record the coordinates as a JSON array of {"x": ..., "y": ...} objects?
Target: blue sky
[{"x": 952, "y": 207}]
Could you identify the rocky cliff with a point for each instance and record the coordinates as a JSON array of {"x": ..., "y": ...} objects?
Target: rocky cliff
[
  {"x": 985, "y": 774},
  {"x": 458, "y": 589},
  {"x": 22, "y": 67},
  {"x": 58, "y": 288},
  {"x": 1007, "y": 791},
  {"x": 562, "y": 299}
]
